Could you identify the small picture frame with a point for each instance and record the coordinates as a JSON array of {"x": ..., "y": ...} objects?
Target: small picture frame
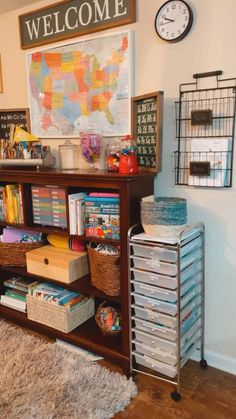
[{"x": 147, "y": 127}]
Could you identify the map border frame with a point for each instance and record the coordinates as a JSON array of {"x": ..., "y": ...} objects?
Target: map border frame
[{"x": 59, "y": 45}]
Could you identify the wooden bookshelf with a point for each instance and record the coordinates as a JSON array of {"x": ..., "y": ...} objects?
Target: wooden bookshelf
[{"x": 131, "y": 189}]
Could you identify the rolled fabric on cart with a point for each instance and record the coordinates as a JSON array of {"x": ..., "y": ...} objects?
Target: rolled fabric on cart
[{"x": 163, "y": 216}]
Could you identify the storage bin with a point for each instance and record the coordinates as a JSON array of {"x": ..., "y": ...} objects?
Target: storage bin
[
  {"x": 105, "y": 271},
  {"x": 164, "y": 280},
  {"x": 155, "y": 353},
  {"x": 63, "y": 265},
  {"x": 155, "y": 329},
  {"x": 152, "y": 251},
  {"x": 56, "y": 316},
  {"x": 155, "y": 341},
  {"x": 164, "y": 267},
  {"x": 157, "y": 366},
  {"x": 154, "y": 316},
  {"x": 155, "y": 292},
  {"x": 14, "y": 254}
]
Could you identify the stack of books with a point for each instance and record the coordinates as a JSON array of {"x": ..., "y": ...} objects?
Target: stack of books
[
  {"x": 15, "y": 294},
  {"x": 57, "y": 295}
]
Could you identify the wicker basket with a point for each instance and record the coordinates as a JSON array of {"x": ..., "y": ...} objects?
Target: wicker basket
[
  {"x": 58, "y": 317},
  {"x": 13, "y": 254},
  {"x": 105, "y": 330},
  {"x": 105, "y": 271}
]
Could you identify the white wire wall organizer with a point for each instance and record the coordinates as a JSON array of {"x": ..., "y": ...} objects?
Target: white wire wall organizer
[{"x": 205, "y": 123}]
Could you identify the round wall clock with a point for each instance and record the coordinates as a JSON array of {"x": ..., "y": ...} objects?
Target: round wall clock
[{"x": 173, "y": 20}]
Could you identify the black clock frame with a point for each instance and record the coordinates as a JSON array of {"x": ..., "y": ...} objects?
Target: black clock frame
[{"x": 187, "y": 29}]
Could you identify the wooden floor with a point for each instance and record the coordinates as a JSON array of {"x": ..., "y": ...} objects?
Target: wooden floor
[{"x": 206, "y": 394}]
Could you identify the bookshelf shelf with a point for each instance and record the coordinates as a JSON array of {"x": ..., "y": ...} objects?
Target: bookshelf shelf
[{"x": 131, "y": 188}]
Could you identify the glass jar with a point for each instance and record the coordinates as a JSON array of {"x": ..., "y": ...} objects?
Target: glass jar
[
  {"x": 128, "y": 156},
  {"x": 69, "y": 155},
  {"x": 91, "y": 146},
  {"x": 113, "y": 156}
]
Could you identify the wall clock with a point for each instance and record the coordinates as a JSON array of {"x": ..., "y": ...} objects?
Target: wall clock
[{"x": 173, "y": 20}]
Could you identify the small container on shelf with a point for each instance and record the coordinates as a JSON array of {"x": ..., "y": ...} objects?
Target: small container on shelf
[
  {"x": 113, "y": 156},
  {"x": 128, "y": 156},
  {"x": 69, "y": 155},
  {"x": 91, "y": 145}
]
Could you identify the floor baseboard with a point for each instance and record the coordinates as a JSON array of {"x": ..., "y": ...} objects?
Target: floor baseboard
[{"x": 217, "y": 360}]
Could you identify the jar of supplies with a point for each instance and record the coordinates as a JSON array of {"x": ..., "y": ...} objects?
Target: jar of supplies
[
  {"x": 128, "y": 156},
  {"x": 69, "y": 155},
  {"x": 113, "y": 156}
]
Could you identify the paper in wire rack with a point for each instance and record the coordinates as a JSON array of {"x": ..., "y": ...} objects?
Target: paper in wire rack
[{"x": 215, "y": 151}]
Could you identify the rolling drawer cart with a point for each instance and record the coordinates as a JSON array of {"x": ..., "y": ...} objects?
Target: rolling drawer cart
[{"x": 166, "y": 302}]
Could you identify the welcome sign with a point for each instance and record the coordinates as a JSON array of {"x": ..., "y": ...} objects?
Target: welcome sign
[{"x": 73, "y": 18}]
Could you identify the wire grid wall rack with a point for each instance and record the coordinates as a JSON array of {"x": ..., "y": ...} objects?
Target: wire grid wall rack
[{"x": 205, "y": 124}]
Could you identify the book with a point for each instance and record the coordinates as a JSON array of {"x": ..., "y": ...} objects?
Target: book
[
  {"x": 15, "y": 294},
  {"x": 14, "y": 303},
  {"x": 73, "y": 217}
]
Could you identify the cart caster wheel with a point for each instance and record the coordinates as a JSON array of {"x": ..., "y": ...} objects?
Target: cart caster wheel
[
  {"x": 175, "y": 396},
  {"x": 203, "y": 364}
]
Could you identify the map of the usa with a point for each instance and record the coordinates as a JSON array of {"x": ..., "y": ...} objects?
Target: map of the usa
[{"x": 81, "y": 86}]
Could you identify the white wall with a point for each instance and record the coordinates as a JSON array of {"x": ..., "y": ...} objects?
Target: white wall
[{"x": 161, "y": 66}]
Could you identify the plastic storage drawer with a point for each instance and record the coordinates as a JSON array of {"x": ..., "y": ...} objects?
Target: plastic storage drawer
[
  {"x": 152, "y": 251},
  {"x": 160, "y": 367},
  {"x": 156, "y": 330},
  {"x": 154, "y": 316},
  {"x": 164, "y": 267},
  {"x": 155, "y": 353},
  {"x": 162, "y": 306},
  {"x": 155, "y": 341},
  {"x": 166, "y": 281}
]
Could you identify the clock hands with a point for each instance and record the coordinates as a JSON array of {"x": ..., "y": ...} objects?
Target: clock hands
[{"x": 169, "y": 20}]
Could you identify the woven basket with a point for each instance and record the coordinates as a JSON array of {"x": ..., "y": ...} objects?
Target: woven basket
[
  {"x": 105, "y": 331},
  {"x": 105, "y": 271},
  {"x": 56, "y": 316},
  {"x": 13, "y": 254}
]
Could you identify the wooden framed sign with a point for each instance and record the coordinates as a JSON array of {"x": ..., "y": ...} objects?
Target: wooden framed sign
[
  {"x": 147, "y": 123},
  {"x": 10, "y": 118},
  {"x": 73, "y": 18}
]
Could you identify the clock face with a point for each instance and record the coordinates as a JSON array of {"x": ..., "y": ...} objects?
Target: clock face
[{"x": 173, "y": 20}]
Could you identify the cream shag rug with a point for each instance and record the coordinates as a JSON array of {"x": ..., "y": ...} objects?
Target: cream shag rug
[{"x": 40, "y": 380}]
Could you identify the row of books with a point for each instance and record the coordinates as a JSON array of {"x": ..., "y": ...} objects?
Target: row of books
[
  {"x": 18, "y": 287},
  {"x": 49, "y": 206},
  {"x": 11, "y": 206},
  {"x": 57, "y": 295},
  {"x": 96, "y": 214}
]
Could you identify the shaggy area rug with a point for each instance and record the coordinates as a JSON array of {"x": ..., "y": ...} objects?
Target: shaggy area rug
[{"x": 41, "y": 380}]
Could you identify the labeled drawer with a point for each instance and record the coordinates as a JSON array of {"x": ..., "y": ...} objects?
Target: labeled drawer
[
  {"x": 157, "y": 366},
  {"x": 156, "y": 330},
  {"x": 151, "y": 251},
  {"x": 162, "y": 306},
  {"x": 163, "y": 280},
  {"x": 155, "y": 292},
  {"x": 155, "y": 353},
  {"x": 165, "y": 268},
  {"x": 154, "y": 341},
  {"x": 164, "y": 294},
  {"x": 154, "y": 316},
  {"x": 153, "y": 304}
]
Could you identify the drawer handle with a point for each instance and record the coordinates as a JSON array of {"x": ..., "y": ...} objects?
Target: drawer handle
[{"x": 45, "y": 261}]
